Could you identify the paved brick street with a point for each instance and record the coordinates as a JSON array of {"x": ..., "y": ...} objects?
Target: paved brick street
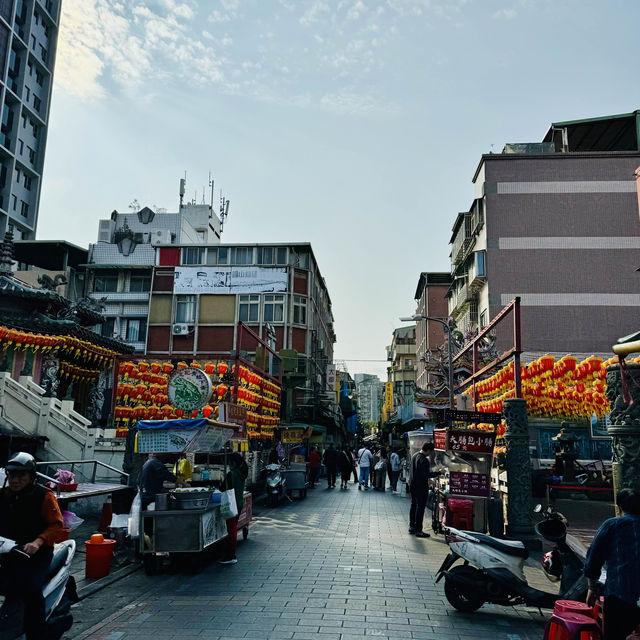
[{"x": 337, "y": 565}]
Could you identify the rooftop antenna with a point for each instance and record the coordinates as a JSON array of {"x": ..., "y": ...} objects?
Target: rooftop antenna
[
  {"x": 224, "y": 210},
  {"x": 183, "y": 184},
  {"x": 211, "y": 184},
  {"x": 203, "y": 202}
]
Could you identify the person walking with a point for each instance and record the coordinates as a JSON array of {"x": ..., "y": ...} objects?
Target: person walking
[
  {"x": 394, "y": 466},
  {"x": 345, "y": 464},
  {"x": 236, "y": 477},
  {"x": 365, "y": 460},
  {"x": 380, "y": 470},
  {"x": 314, "y": 466},
  {"x": 354, "y": 465},
  {"x": 420, "y": 474},
  {"x": 617, "y": 545},
  {"x": 331, "y": 465}
]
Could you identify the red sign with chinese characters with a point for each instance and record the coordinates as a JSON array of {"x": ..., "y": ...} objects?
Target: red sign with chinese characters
[
  {"x": 471, "y": 440},
  {"x": 469, "y": 484},
  {"x": 440, "y": 439}
]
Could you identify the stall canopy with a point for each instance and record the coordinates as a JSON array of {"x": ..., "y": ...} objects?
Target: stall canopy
[{"x": 174, "y": 424}]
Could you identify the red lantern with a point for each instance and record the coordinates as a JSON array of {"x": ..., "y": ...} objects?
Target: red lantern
[
  {"x": 207, "y": 410},
  {"x": 155, "y": 367},
  {"x": 221, "y": 390},
  {"x": 223, "y": 368},
  {"x": 196, "y": 365},
  {"x": 182, "y": 365},
  {"x": 143, "y": 366},
  {"x": 167, "y": 368},
  {"x": 209, "y": 368}
]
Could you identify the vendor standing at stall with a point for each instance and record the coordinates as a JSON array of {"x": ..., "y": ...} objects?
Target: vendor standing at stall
[
  {"x": 152, "y": 478},
  {"x": 238, "y": 472},
  {"x": 420, "y": 475}
]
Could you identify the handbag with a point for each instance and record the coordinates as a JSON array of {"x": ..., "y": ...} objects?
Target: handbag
[{"x": 228, "y": 505}]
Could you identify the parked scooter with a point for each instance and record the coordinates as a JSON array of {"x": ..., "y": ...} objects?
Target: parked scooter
[
  {"x": 59, "y": 593},
  {"x": 493, "y": 569},
  {"x": 275, "y": 484}
]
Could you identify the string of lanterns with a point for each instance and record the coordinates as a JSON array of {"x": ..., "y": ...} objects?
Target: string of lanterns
[
  {"x": 564, "y": 388},
  {"x": 141, "y": 394},
  {"x": 78, "y": 374}
]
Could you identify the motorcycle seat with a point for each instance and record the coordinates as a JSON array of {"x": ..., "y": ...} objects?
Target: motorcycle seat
[{"x": 510, "y": 547}]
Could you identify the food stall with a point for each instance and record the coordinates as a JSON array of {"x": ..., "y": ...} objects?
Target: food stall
[
  {"x": 465, "y": 448},
  {"x": 296, "y": 471},
  {"x": 186, "y": 521}
]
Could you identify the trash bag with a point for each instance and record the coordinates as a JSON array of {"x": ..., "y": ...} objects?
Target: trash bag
[
  {"x": 71, "y": 520},
  {"x": 134, "y": 516}
]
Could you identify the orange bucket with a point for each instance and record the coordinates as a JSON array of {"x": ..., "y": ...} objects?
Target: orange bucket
[{"x": 99, "y": 554}]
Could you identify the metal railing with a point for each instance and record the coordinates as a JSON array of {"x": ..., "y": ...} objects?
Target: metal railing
[{"x": 73, "y": 463}]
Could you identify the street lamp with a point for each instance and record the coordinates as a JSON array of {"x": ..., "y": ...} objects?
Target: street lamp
[{"x": 447, "y": 328}]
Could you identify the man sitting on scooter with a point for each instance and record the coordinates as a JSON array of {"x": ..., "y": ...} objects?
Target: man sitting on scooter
[{"x": 30, "y": 515}]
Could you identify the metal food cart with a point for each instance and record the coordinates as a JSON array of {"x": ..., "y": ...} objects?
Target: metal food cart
[
  {"x": 466, "y": 450},
  {"x": 192, "y": 525}
]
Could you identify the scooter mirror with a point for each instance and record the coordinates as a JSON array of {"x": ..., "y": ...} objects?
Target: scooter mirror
[{"x": 537, "y": 508}]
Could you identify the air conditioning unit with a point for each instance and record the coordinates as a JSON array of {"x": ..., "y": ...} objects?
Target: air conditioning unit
[
  {"x": 161, "y": 236},
  {"x": 180, "y": 329}
]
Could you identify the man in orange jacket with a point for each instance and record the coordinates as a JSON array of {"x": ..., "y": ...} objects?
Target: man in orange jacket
[{"x": 30, "y": 515}]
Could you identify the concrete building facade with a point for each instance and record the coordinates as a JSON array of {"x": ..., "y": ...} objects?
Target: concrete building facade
[
  {"x": 431, "y": 300},
  {"x": 556, "y": 223},
  {"x": 28, "y": 39},
  {"x": 401, "y": 371},
  {"x": 370, "y": 391}
]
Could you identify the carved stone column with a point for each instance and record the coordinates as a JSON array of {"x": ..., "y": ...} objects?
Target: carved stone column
[
  {"x": 96, "y": 399},
  {"x": 518, "y": 464},
  {"x": 49, "y": 380},
  {"x": 625, "y": 424}
]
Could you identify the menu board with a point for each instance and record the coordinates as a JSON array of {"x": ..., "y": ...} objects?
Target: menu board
[
  {"x": 468, "y": 440},
  {"x": 469, "y": 484}
]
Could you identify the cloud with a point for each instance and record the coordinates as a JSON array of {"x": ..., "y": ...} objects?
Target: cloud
[{"x": 505, "y": 14}]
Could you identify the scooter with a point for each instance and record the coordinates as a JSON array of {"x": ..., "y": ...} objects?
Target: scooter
[
  {"x": 492, "y": 569},
  {"x": 275, "y": 484},
  {"x": 59, "y": 594}
]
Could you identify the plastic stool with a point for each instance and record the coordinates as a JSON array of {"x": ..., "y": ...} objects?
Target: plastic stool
[
  {"x": 572, "y": 606},
  {"x": 571, "y": 626}
]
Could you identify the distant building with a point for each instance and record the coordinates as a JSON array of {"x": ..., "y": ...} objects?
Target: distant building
[
  {"x": 369, "y": 391},
  {"x": 121, "y": 263},
  {"x": 401, "y": 371},
  {"x": 28, "y": 38},
  {"x": 557, "y": 224},
  {"x": 431, "y": 300}
]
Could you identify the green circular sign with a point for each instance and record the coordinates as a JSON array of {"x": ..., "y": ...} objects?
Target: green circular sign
[{"x": 189, "y": 389}]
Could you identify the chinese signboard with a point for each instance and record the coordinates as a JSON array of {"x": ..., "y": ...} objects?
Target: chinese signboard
[
  {"x": 189, "y": 389},
  {"x": 226, "y": 280},
  {"x": 388, "y": 396},
  {"x": 234, "y": 414},
  {"x": 453, "y": 415},
  {"x": 469, "y": 440},
  {"x": 440, "y": 439},
  {"x": 293, "y": 435},
  {"x": 464, "y": 440},
  {"x": 469, "y": 484}
]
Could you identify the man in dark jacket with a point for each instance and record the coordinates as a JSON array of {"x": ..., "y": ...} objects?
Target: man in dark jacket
[
  {"x": 29, "y": 515},
  {"x": 152, "y": 478},
  {"x": 331, "y": 465},
  {"x": 420, "y": 474}
]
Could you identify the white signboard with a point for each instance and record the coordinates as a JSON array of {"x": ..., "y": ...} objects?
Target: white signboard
[{"x": 198, "y": 280}]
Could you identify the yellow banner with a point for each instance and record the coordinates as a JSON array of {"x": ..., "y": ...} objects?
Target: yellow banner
[{"x": 388, "y": 396}]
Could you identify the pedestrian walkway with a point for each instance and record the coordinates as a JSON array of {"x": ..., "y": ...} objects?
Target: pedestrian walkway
[{"x": 336, "y": 566}]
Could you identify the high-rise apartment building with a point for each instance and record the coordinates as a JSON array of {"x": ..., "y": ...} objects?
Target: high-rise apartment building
[
  {"x": 401, "y": 371},
  {"x": 28, "y": 38},
  {"x": 369, "y": 390},
  {"x": 555, "y": 223}
]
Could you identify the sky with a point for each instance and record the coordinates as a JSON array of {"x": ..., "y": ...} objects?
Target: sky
[{"x": 354, "y": 125}]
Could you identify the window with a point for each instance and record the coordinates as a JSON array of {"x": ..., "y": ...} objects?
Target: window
[
  {"x": 30, "y": 68},
  {"x": 37, "y": 103},
  {"x": 43, "y": 53},
  {"x": 479, "y": 264},
  {"x": 20, "y": 146},
  {"x": 33, "y": 41},
  {"x": 408, "y": 364},
  {"x": 265, "y": 255},
  {"x": 281, "y": 255},
  {"x": 24, "y": 208},
  {"x": 186, "y": 309},
  {"x": 24, "y": 118},
  {"x": 36, "y": 130},
  {"x": 408, "y": 387},
  {"x": 299, "y": 310},
  {"x": 212, "y": 257},
  {"x": 241, "y": 255},
  {"x": 27, "y": 182},
  {"x": 39, "y": 78},
  {"x": 108, "y": 328},
  {"x": 248, "y": 308},
  {"x": 483, "y": 319},
  {"x": 106, "y": 283},
  {"x": 139, "y": 283},
  {"x": 136, "y": 330},
  {"x": 192, "y": 255},
  {"x": 223, "y": 255},
  {"x": 273, "y": 308},
  {"x": 17, "y": 174},
  {"x": 32, "y": 155},
  {"x": 14, "y": 202},
  {"x": 303, "y": 260}
]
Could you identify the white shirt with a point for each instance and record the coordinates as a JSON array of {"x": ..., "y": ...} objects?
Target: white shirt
[
  {"x": 395, "y": 461},
  {"x": 365, "y": 457}
]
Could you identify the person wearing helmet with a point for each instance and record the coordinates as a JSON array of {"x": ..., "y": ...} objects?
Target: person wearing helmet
[{"x": 30, "y": 515}]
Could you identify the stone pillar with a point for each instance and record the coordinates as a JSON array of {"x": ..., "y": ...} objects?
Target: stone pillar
[
  {"x": 625, "y": 425},
  {"x": 518, "y": 464}
]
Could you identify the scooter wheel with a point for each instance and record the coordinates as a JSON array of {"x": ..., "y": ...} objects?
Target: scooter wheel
[{"x": 459, "y": 599}]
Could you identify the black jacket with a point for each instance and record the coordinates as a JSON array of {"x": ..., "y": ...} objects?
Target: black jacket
[
  {"x": 21, "y": 514},
  {"x": 330, "y": 458},
  {"x": 421, "y": 472}
]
